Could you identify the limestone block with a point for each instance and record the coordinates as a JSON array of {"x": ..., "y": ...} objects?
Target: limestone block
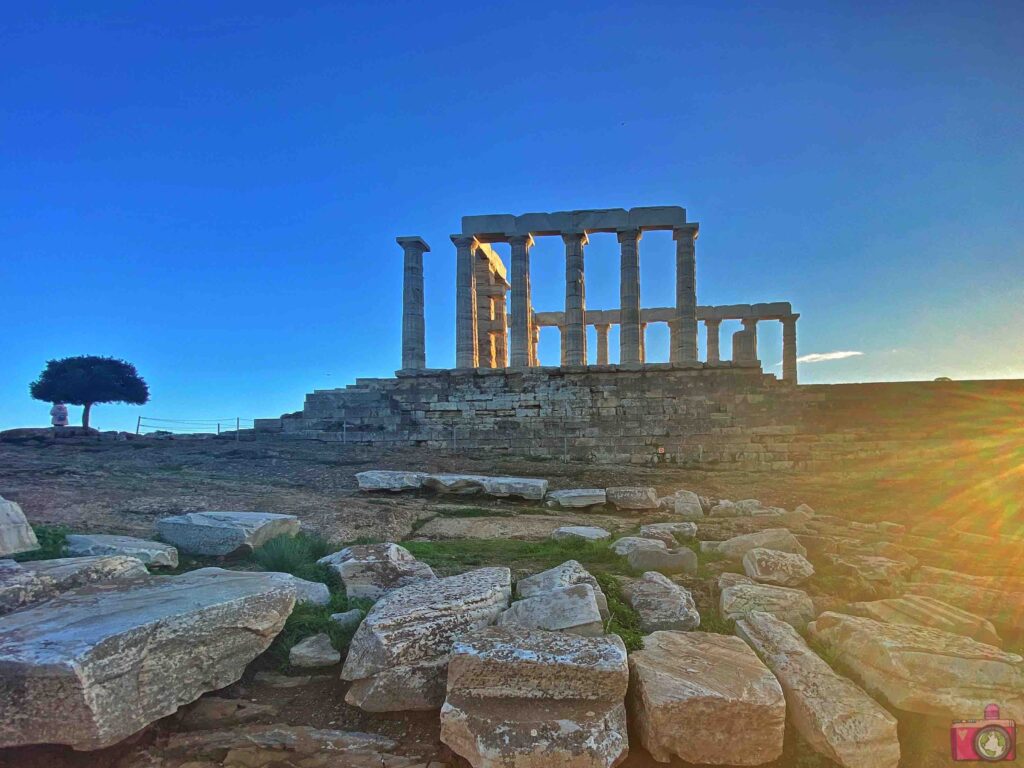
[
  {"x": 584, "y": 532},
  {"x": 632, "y": 497},
  {"x": 832, "y": 714},
  {"x": 348, "y": 620},
  {"x": 678, "y": 531},
  {"x": 565, "y": 575},
  {"x": 769, "y": 566},
  {"x": 705, "y": 698},
  {"x": 398, "y": 657},
  {"x": 578, "y": 498},
  {"x": 222, "y": 533},
  {"x": 387, "y": 480},
  {"x": 661, "y": 603},
  {"x": 924, "y": 670},
  {"x": 91, "y": 667},
  {"x": 313, "y": 592},
  {"x": 23, "y": 584},
  {"x": 152, "y": 553},
  {"x": 569, "y": 609},
  {"x": 792, "y": 606},
  {"x": 16, "y": 535},
  {"x": 467, "y": 485},
  {"x": 679, "y": 560},
  {"x": 921, "y": 611},
  {"x": 371, "y": 570},
  {"x": 627, "y": 544},
  {"x": 490, "y": 224},
  {"x": 778, "y": 539},
  {"x": 315, "y": 651},
  {"x": 731, "y": 579},
  {"x": 686, "y": 504}
]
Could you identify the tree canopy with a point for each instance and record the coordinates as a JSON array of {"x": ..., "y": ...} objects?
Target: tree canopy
[{"x": 87, "y": 380}]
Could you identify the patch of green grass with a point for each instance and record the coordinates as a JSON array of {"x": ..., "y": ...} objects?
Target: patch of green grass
[
  {"x": 296, "y": 555},
  {"x": 307, "y": 620},
  {"x": 624, "y": 621},
  {"x": 457, "y": 555},
  {"x": 711, "y": 620},
  {"x": 52, "y": 540},
  {"x": 704, "y": 559}
]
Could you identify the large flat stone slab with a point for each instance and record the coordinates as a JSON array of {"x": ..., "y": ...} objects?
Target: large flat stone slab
[
  {"x": 769, "y": 566},
  {"x": 398, "y": 658},
  {"x": 632, "y": 497},
  {"x": 371, "y": 570},
  {"x": 388, "y": 480},
  {"x": 16, "y": 535},
  {"x": 23, "y": 584},
  {"x": 924, "y": 670},
  {"x": 151, "y": 553},
  {"x": 582, "y": 532},
  {"x": 837, "y": 718},
  {"x": 923, "y": 611},
  {"x": 222, "y": 533},
  {"x": 705, "y": 698},
  {"x": 793, "y": 606},
  {"x": 578, "y": 498},
  {"x": 779, "y": 539},
  {"x": 95, "y": 665},
  {"x": 523, "y": 487},
  {"x": 569, "y": 609}
]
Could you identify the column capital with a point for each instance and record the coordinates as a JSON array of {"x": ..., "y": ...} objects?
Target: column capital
[
  {"x": 749, "y": 321},
  {"x": 465, "y": 241},
  {"x": 571, "y": 238},
  {"x": 629, "y": 235},
  {"x": 526, "y": 240},
  {"x": 686, "y": 232},
  {"x": 413, "y": 243},
  {"x": 712, "y": 322},
  {"x": 790, "y": 318}
]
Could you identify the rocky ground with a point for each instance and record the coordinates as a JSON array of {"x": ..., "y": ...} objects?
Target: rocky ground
[{"x": 875, "y": 531}]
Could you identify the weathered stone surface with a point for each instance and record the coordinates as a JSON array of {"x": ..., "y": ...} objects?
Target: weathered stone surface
[
  {"x": 578, "y": 497},
  {"x": 151, "y": 553},
  {"x": 221, "y": 533},
  {"x": 524, "y": 487},
  {"x": 398, "y": 657},
  {"x": 22, "y": 584},
  {"x": 792, "y": 606},
  {"x": 833, "y": 715},
  {"x": 663, "y": 536},
  {"x": 95, "y": 665},
  {"x": 632, "y": 497},
  {"x": 731, "y": 579},
  {"x": 705, "y": 698},
  {"x": 529, "y": 699},
  {"x": 585, "y": 532},
  {"x": 565, "y": 575},
  {"x": 569, "y": 609},
  {"x": 315, "y": 651},
  {"x": 661, "y": 603},
  {"x": 871, "y": 568},
  {"x": 680, "y": 560},
  {"x": 627, "y": 544},
  {"x": 1004, "y": 609},
  {"x": 16, "y": 535},
  {"x": 924, "y": 670},
  {"x": 921, "y": 611},
  {"x": 348, "y": 620},
  {"x": 778, "y": 539},
  {"x": 769, "y": 566},
  {"x": 371, "y": 570},
  {"x": 686, "y": 504},
  {"x": 388, "y": 480},
  {"x": 212, "y": 712},
  {"x": 314, "y": 592},
  {"x": 678, "y": 531}
]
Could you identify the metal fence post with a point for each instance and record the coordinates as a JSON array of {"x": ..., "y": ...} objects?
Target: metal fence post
[
  {"x": 238, "y": 429},
  {"x": 138, "y": 425}
]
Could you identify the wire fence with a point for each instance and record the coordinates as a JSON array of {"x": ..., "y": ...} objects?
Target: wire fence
[{"x": 233, "y": 425}]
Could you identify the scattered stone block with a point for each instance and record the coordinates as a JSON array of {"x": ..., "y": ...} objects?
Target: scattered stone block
[
  {"x": 315, "y": 651},
  {"x": 832, "y": 714},
  {"x": 388, "y": 480},
  {"x": 524, "y": 487},
  {"x": 222, "y": 533},
  {"x": 398, "y": 658},
  {"x": 371, "y": 570},
  {"x": 792, "y": 606},
  {"x": 585, "y": 532},
  {"x": 705, "y": 698},
  {"x": 678, "y": 531},
  {"x": 155, "y": 554},
  {"x": 921, "y": 611},
  {"x": 784, "y": 569},
  {"x": 779, "y": 539},
  {"x": 627, "y": 544},
  {"x": 579, "y": 498},
  {"x": 924, "y": 670},
  {"x": 565, "y": 575},
  {"x": 661, "y": 603},
  {"x": 686, "y": 504},
  {"x": 92, "y": 667},
  {"x": 569, "y": 609},
  {"x": 632, "y": 497},
  {"x": 680, "y": 560},
  {"x": 523, "y": 698},
  {"x": 731, "y": 579},
  {"x": 348, "y": 620},
  {"x": 16, "y": 535}
]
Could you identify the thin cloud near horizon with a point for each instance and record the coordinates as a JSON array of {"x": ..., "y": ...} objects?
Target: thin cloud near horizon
[{"x": 822, "y": 357}]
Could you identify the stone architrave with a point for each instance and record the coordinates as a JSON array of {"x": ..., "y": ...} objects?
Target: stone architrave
[
  {"x": 222, "y": 533},
  {"x": 91, "y": 667},
  {"x": 371, "y": 570},
  {"x": 705, "y": 698},
  {"x": 16, "y": 535},
  {"x": 833, "y": 715},
  {"x": 151, "y": 553},
  {"x": 521, "y": 698},
  {"x": 398, "y": 658}
]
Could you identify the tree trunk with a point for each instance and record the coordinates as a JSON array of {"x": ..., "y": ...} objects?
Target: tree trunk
[{"x": 85, "y": 415}]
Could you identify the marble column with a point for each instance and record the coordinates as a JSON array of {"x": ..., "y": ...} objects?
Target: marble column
[
  {"x": 561, "y": 344},
  {"x": 643, "y": 342},
  {"x": 673, "y": 353},
  {"x": 534, "y": 342},
  {"x": 414, "y": 354},
  {"x": 467, "y": 353},
  {"x": 789, "y": 349},
  {"x": 574, "y": 340},
  {"x": 629, "y": 296},
  {"x": 686, "y": 292},
  {"x": 750, "y": 327},
  {"x": 713, "y": 328},
  {"x": 522, "y": 331},
  {"x": 602, "y": 343}
]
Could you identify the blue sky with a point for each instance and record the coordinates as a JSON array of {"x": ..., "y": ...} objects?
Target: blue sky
[{"x": 212, "y": 190}]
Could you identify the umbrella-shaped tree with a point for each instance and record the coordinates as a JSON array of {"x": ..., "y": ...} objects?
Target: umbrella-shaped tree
[{"x": 87, "y": 380}]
